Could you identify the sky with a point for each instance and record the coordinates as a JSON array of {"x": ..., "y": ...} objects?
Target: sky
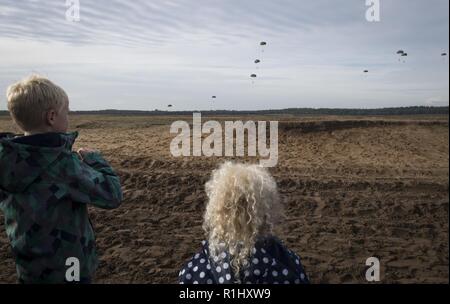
[{"x": 145, "y": 55}]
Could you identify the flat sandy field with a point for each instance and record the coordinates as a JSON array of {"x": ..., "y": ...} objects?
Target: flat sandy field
[{"x": 353, "y": 188}]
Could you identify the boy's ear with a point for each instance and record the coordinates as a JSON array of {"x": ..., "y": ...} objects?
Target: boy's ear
[{"x": 50, "y": 117}]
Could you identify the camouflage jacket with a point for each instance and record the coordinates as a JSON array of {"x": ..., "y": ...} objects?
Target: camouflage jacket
[{"x": 44, "y": 192}]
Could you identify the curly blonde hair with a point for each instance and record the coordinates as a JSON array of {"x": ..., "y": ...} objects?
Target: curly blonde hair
[{"x": 243, "y": 206}]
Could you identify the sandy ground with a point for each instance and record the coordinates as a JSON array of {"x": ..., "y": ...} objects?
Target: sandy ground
[{"x": 353, "y": 187}]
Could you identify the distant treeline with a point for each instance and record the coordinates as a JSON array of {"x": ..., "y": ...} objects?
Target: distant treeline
[{"x": 416, "y": 110}]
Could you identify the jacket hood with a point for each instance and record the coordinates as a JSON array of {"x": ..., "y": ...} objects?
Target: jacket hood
[{"x": 23, "y": 159}]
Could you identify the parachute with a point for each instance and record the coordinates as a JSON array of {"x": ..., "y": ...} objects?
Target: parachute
[
  {"x": 401, "y": 53},
  {"x": 213, "y": 97},
  {"x": 256, "y": 62},
  {"x": 262, "y": 44},
  {"x": 444, "y": 54},
  {"x": 169, "y": 106},
  {"x": 253, "y": 75},
  {"x": 366, "y": 71}
]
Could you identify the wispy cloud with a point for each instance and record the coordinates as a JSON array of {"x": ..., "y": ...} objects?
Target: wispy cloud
[{"x": 145, "y": 54}]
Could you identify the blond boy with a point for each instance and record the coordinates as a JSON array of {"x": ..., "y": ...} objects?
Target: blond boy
[{"x": 45, "y": 187}]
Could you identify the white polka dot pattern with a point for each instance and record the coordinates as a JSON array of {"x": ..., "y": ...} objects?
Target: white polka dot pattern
[{"x": 270, "y": 263}]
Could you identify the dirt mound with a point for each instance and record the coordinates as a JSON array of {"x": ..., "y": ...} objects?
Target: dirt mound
[{"x": 334, "y": 125}]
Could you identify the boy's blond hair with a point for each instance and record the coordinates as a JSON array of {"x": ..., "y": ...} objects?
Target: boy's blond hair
[{"x": 30, "y": 99}]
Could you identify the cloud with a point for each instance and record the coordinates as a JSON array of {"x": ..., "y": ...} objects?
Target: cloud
[{"x": 143, "y": 54}]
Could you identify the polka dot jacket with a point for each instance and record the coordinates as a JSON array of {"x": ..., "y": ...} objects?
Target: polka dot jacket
[{"x": 271, "y": 263}]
